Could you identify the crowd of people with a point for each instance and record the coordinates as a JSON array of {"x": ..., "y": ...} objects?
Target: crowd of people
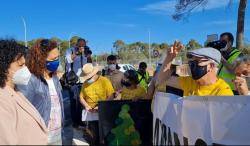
[{"x": 31, "y": 99}]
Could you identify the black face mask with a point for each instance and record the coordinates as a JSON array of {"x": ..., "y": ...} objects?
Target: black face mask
[
  {"x": 125, "y": 83},
  {"x": 196, "y": 70}
]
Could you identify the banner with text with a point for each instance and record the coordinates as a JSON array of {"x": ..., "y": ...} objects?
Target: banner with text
[{"x": 201, "y": 120}]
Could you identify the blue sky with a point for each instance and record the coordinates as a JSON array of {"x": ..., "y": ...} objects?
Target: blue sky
[{"x": 102, "y": 22}]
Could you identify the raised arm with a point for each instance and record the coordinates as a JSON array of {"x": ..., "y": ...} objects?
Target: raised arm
[{"x": 165, "y": 72}]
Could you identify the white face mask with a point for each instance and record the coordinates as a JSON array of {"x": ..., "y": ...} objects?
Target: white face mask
[
  {"x": 112, "y": 67},
  {"x": 90, "y": 81},
  {"x": 248, "y": 81},
  {"x": 21, "y": 76}
]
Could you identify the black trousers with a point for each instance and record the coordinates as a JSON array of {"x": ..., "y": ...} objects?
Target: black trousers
[
  {"x": 91, "y": 133},
  {"x": 75, "y": 106}
]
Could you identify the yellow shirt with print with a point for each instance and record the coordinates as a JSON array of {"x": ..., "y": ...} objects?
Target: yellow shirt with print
[
  {"x": 98, "y": 91},
  {"x": 128, "y": 94},
  {"x": 190, "y": 87}
]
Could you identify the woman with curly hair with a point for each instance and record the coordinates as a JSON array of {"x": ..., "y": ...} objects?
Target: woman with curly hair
[
  {"x": 20, "y": 123},
  {"x": 44, "y": 89}
]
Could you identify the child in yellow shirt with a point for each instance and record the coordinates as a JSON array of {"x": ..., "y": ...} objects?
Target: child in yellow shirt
[{"x": 132, "y": 90}]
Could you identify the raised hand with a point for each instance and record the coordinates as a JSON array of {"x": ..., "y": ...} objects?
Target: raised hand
[
  {"x": 174, "y": 50},
  {"x": 241, "y": 85}
]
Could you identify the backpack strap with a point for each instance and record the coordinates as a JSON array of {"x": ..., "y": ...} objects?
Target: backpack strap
[{"x": 72, "y": 64}]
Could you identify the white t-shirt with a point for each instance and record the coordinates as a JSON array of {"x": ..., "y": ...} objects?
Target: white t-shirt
[{"x": 55, "y": 122}]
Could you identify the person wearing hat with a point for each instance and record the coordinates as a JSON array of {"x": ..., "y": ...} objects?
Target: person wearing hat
[
  {"x": 95, "y": 88},
  {"x": 203, "y": 64}
]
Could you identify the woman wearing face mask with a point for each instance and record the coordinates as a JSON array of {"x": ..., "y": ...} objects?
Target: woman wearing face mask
[
  {"x": 20, "y": 123},
  {"x": 44, "y": 89},
  {"x": 131, "y": 90},
  {"x": 242, "y": 72},
  {"x": 95, "y": 88}
]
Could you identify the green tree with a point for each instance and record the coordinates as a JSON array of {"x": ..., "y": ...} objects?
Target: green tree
[
  {"x": 73, "y": 41},
  {"x": 21, "y": 42},
  {"x": 56, "y": 39},
  {"x": 193, "y": 44},
  {"x": 32, "y": 42},
  {"x": 163, "y": 46},
  {"x": 118, "y": 45}
]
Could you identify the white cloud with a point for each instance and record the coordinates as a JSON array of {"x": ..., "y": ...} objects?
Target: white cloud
[
  {"x": 129, "y": 25},
  {"x": 168, "y": 6},
  {"x": 220, "y": 23}
]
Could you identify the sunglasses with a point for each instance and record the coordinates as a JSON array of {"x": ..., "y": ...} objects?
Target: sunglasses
[{"x": 44, "y": 43}]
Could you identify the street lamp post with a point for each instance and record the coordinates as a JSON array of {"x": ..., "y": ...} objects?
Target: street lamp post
[
  {"x": 25, "y": 32},
  {"x": 149, "y": 46}
]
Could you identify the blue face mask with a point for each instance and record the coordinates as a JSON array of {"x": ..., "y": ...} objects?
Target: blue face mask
[
  {"x": 90, "y": 81},
  {"x": 52, "y": 65}
]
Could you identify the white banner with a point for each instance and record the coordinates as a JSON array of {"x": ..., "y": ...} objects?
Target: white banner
[{"x": 201, "y": 120}]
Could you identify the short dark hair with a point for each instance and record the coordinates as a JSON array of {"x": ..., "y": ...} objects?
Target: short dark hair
[
  {"x": 10, "y": 51},
  {"x": 229, "y": 35},
  {"x": 89, "y": 52},
  {"x": 143, "y": 65},
  {"x": 132, "y": 76},
  {"x": 80, "y": 39},
  {"x": 111, "y": 58}
]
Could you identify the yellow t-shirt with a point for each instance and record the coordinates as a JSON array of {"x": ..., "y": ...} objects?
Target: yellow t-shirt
[
  {"x": 97, "y": 91},
  {"x": 128, "y": 94},
  {"x": 190, "y": 87}
]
